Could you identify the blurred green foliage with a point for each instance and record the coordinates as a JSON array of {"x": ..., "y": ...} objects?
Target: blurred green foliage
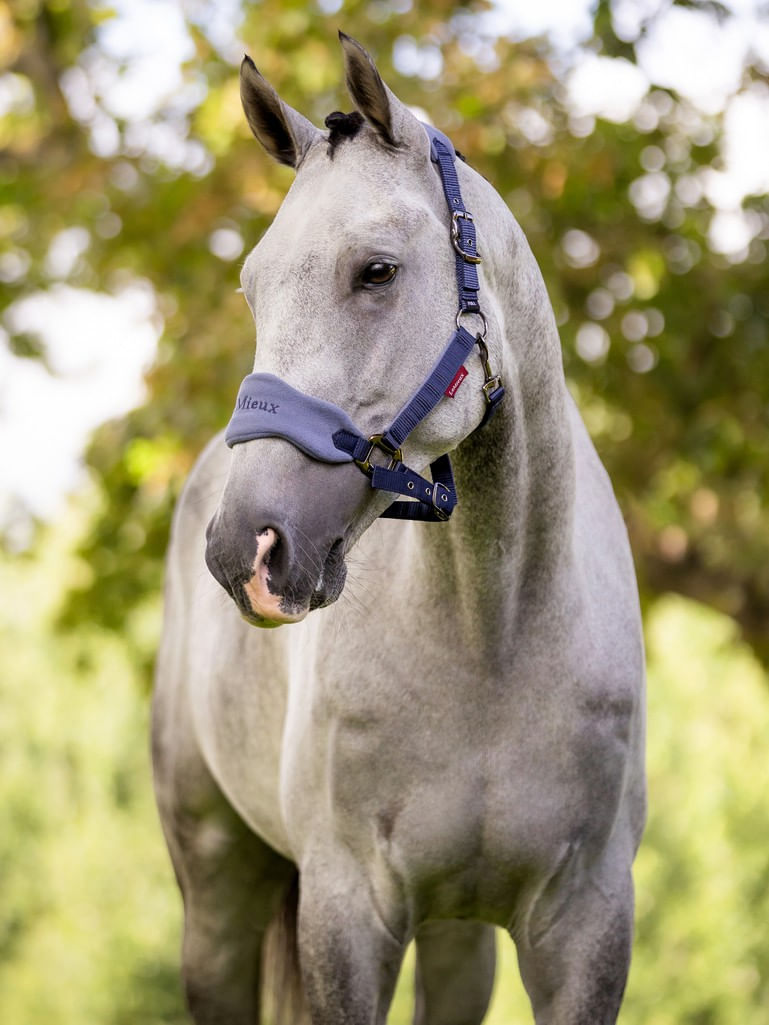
[
  {"x": 89, "y": 912},
  {"x": 676, "y": 403}
]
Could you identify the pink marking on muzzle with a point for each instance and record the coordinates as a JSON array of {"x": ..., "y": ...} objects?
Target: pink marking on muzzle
[{"x": 262, "y": 600}]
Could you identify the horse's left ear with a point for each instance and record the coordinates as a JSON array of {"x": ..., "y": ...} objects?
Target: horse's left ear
[
  {"x": 283, "y": 132},
  {"x": 393, "y": 121}
]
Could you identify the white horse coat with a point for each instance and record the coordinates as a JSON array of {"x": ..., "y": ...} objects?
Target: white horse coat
[{"x": 457, "y": 742}]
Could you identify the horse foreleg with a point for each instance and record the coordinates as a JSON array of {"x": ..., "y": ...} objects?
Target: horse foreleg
[
  {"x": 574, "y": 953},
  {"x": 454, "y": 973},
  {"x": 232, "y": 884},
  {"x": 350, "y": 959},
  {"x": 230, "y": 897}
]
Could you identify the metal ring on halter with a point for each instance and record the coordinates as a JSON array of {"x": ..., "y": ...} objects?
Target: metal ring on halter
[{"x": 474, "y": 313}]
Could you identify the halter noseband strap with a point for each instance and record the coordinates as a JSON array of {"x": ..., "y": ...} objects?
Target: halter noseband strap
[{"x": 267, "y": 407}]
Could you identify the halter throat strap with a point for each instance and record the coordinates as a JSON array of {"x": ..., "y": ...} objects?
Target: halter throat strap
[{"x": 269, "y": 407}]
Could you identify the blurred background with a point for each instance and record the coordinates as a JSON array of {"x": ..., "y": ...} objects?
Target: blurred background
[{"x": 631, "y": 140}]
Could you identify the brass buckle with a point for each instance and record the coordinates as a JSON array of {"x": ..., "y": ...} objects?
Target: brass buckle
[
  {"x": 492, "y": 381},
  {"x": 377, "y": 441},
  {"x": 455, "y": 236},
  {"x": 489, "y": 386}
]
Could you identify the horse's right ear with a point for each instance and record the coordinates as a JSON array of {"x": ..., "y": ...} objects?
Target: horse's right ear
[
  {"x": 391, "y": 119},
  {"x": 283, "y": 132}
]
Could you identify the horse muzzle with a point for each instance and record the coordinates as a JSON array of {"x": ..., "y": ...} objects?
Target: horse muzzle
[
  {"x": 287, "y": 576},
  {"x": 278, "y": 539}
]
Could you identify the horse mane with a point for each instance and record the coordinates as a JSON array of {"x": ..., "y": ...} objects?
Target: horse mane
[{"x": 342, "y": 126}]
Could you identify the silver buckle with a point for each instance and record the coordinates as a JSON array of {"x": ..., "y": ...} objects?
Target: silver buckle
[{"x": 456, "y": 237}]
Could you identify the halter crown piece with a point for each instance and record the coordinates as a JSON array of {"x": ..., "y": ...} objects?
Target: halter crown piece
[{"x": 267, "y": 407}]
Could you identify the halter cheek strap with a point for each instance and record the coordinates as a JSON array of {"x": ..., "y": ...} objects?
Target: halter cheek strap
[{"x": 267, "y": 407}]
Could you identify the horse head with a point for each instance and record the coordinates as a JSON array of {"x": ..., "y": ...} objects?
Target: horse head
[{"x": 354, "y": 291}]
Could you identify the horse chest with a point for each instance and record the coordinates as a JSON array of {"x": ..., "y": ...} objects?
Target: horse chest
[{"x": 453, "y": 806}]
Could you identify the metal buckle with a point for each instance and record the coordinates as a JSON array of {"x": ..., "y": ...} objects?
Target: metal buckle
[
  {"x": 492, "y": 381},
  {"x": 377, "y": 441},
  {"x": 489, "y": 386},
  {"x": 443, "y": 494},
  {"x": 456, "y": 237}
]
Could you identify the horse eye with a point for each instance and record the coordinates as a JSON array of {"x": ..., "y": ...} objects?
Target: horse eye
[{"x": 378, "y": 272}]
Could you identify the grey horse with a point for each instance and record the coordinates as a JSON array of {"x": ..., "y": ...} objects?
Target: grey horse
[{"x": 456, "y": 744}]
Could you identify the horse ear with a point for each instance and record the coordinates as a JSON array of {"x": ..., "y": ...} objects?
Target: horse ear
[
  {"x": 392, "y": 119},
  {"x": 283, "y": 132}
]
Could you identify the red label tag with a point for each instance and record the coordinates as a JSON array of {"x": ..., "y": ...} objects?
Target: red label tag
[{"x": 459, "y": 377}]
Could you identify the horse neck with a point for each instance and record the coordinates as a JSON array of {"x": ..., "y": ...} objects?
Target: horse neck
[{"x": 506, "y": 551}]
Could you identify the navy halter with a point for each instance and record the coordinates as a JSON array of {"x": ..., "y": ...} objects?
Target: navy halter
[{"x": 267, "y": 407}]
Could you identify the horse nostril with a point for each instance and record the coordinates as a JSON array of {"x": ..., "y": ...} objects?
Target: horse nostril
[
  {"x": 276, "y": 574},
  {"x": 274, "y": 559}
]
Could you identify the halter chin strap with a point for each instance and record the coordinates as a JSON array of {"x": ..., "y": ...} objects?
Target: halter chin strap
[{"x": 267, "y": 407}]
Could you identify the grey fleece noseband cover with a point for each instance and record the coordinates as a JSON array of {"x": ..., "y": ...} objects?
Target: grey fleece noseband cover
[{"x": 267, "y": 407}]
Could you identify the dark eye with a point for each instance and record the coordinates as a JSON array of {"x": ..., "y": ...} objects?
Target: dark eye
[{"x": 378, "y": 272}]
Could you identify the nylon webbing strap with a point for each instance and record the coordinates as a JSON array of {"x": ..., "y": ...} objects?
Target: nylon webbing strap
[
  {"x": 435, "y": 499},
  {"x": 462, "y": 226},
  {"x": 432, "y": 391}
]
